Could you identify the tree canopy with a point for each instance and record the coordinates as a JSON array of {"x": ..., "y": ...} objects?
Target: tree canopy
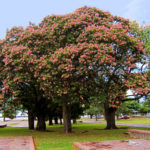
[{"x": 70, "y": 58}]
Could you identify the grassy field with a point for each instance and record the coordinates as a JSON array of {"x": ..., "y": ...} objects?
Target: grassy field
[
  {"x": 135, "y": 121},
  {"x": 55, "y": 139},
  {"x": 131, "y": 120}
]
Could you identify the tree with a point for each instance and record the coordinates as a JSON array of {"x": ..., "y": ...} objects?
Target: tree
[
  {"x": 145, "y": 107},
  {"x": 123, "y": 109},
  {"x": 129, "y": 108},
  {"x": 96, "y": 51},
  {"x": 64, "y": 32},
  {"x": 142, "y": 33},
  {"x": 9, "y": 110},
  {"x": 22, "y": 70},
  {"x": 73, "y": 57},
  {"x": 95, "y": 107}
]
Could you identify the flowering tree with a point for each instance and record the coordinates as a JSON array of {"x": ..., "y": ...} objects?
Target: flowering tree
[
  {"x": 143, "y": 34},
  {"x": 69, "y": 58},
  {"x": 93, "y": 49},
  {"x": 22, "y": 55}
]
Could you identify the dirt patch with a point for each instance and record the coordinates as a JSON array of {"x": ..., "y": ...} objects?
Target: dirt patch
[
  {"x": 17, "y": 143},
  {"x": 113, "y": 145}
]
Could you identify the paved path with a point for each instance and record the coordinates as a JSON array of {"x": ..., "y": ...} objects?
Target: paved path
[
  {"x": 24, "y": 123},
  {"x": 122, "y": 124},
  {"x": 17, "y": 143},
  {"x": 16, "y": 123},
  {"x": 114, "y": 145}
]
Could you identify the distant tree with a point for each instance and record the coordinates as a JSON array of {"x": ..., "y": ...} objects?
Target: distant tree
[
  {"x": 145, "y": 107},
  {"x": 124, "y": 110},
  {"x": 96, "y": 107}
]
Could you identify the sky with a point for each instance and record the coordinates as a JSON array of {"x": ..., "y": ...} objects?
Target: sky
[{"x": 21, "y": 12}]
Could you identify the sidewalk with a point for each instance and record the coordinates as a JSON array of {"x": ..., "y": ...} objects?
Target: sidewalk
[{"x": 15, "y": 123}]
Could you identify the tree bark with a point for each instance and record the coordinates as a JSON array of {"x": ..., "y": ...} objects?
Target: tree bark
[
  {"x": 91, "y": 116},
  {"x": 110, "y": 117},
  {"x": 95, "y": 117},
  {"x": 30, "y": 120},
  {"x": 41, "y": 126},
  {"x": 50, "y": 120},
  {"x": 56, "y": 120},
  {"x": 67, "y": 117},
  {"x": 74, "y": 121},
  {"x": 60, "y": 121}
]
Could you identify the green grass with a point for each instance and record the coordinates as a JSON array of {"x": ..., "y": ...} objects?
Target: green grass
[
  {"x": 14, "y": 124},
  {"x": 135, "y": 121},
  {"x": 55, "y": 139},
  {"x": 131, "y": 120}
]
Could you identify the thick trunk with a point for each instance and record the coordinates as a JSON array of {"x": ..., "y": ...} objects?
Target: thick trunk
[
  {"x": 41, "y": 126},
  {"x": 67, "y": 118},
  {"x": 110, "y": 117},
  {"x": 30, "y": 120},
  {"x": 50, "y": 120},
  {"x": 56, "y": 120}
]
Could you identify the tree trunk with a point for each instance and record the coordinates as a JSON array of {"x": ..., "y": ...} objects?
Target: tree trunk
[
  {"x": 50, "y": 120},
  {"x": 41, "y": 126},
  {"x": 74, "y": 121},
  {"x": 60, "y": 121},
  {"x": 110, "y": 117},
  {"x": 56, "y": 120},
  {"x": 91, "y": 116},
  {"x": 95, "y": 117},
  {"x": 30, "y": 120},
  {"x": 67, "y": 118}
]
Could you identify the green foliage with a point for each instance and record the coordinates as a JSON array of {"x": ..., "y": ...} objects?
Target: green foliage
[
  {"x": 9, "y": 113},
  {"x": 96, "y": 106},
  {"x": 128, "y": 108},
  {"x": 144, "y": 110},
  {"x": 145, "y": 107},
  {"x": 124, "y": 109},
  {"x": 133, "y": 105}
]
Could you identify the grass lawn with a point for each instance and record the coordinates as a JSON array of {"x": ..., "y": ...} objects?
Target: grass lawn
[
  {"x": 135, "y": 121},
  {"x": 131, "y": 120},
  {"x": 55, "y": 139},
  {"x": 14, "y": 124}
]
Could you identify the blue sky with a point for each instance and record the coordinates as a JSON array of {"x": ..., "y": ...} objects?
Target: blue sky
[{"x": 21, "y": 12}]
